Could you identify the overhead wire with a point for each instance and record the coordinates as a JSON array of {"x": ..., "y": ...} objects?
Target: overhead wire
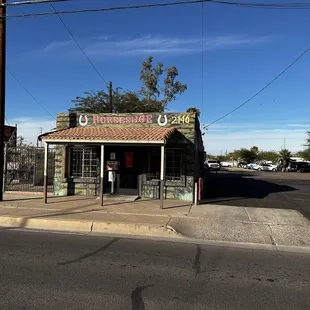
[
  {"x": 260, "y": 91},
  {"x": 79, "y": 45},
  {"x": 292, "y": 5},
  {"x": 30, "y": 94},
  {"x": 16, "y": 3}
]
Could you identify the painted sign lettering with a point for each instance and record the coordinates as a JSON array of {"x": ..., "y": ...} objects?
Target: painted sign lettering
[
  {"x": 159, "y": 119},
  {"x": 97, "y": 119},
  {"x": 180, "y": 119}
]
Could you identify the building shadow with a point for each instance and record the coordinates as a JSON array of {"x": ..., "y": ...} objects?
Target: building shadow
[
  {"x": 240, "y": 185},
  {"x": 242, "y": 190}
]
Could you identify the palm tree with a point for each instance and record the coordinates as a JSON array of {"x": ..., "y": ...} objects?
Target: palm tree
[
  {"x": 193, "y": 110},
  {"x": 285, "y": 156}
]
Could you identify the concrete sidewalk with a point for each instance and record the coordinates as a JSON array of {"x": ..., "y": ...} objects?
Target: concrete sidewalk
[{"x": 276, "y": 228}]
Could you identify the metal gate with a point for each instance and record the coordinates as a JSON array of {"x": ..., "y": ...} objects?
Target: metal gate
[{"x": 24, "y": 169}]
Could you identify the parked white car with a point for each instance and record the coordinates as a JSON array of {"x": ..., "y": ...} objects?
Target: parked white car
[
  {"x": 265, "y": 167},
  {"x": 228, "y": 164},
  {"x": 252, "y": 166}
]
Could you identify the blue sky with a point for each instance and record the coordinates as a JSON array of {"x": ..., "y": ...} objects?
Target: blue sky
[{"x": 243, "y": 49}]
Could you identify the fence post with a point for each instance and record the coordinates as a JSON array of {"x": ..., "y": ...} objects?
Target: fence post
[
  {"x": 199, "y": 189},
  {"x": 195, "y": 193}
]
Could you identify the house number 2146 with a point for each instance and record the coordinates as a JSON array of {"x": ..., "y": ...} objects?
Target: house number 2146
[{"x": 181, "y": 119}]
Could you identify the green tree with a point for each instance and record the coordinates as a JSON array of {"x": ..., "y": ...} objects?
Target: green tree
[
  {"x": 268, "y": 155},
  {"x": 285, "y": 154},
  {"x": 248, "y": 155},
  {"x": 150, "y": 77},
  {"x": 255, "y": 150},
  {"x": 193, "y": 110},
  {"x": 122, "y": 102},
  {"x": 306, "y": 152},
  {"x": 235, "y": 155},
  {"x": 93, "y": 102},
  {"x": 150, "y": 98}
]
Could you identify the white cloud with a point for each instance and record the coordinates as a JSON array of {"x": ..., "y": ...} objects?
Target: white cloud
[
  {"x": 30, "y": 128},
  {"x": 149, "y": 44},
  {"x": 57, "y": 45}
]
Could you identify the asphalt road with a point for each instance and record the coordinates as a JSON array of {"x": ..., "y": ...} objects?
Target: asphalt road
[
  {"x": 260, "y": 189},
  {"x": 53, "y": 271}
]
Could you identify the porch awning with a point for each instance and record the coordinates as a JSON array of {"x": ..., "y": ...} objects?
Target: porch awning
[{"x": 109, "y": 135}]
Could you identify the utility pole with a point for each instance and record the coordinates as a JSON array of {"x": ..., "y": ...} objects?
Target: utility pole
[
  {"x": 111, "y": 97},
  {"x": 2, "y": 89},
  {"x": 41, "y": 129}
]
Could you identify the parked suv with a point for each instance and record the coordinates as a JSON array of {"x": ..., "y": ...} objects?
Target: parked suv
[{"x": 213, "y": 165}]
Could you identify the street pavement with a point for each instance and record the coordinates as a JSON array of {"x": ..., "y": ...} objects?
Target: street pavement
[
  {"x": 58, "y": 271},
  {"x": 245, "y": 188}
]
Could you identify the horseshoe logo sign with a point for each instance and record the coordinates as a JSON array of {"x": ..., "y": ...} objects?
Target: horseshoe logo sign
[
  {"x": 164, "y": 123},
  {"x": 81, "y": 122}
]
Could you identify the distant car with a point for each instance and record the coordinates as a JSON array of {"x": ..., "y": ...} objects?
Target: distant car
[
  {"x": 228, "y": 164},
  {"x": 213, "y": 165},
  {"x": 251, "y": 166},
  {"x": 265, "y": 167},
  {"x": 299, "y": 166},
  {"x": 242, "y": 164}
]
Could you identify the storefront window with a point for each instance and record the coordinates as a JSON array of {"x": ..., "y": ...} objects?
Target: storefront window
[
  {"x": 154, "y": 164},
  {"x": 173, "y": 164},
  {"x": 83, "y": 163}
]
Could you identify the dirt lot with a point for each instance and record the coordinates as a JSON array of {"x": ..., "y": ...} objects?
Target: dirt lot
[{"x": 285, "y": 190}]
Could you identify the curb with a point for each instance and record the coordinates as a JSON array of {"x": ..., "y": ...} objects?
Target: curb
[
  {"x": 132, "y": 230},
  {"x": 84, "y": 226}
]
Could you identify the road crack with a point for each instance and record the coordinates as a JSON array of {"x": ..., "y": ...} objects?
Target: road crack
[
  {"x": 136, "y": 297},
  {"x": 273, "y": 240},
  {"x": 197, "y": 264}
]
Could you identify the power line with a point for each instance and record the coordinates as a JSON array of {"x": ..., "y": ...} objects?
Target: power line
[
  {"x": 78, "y": 45},
  {"x": 292, "y": 5},
  {"x": 261, "y": 90},
  {"x": 29, "y": 93},
  {"x": 166, "y": 4},
  {"x": 31, "y": 2}
]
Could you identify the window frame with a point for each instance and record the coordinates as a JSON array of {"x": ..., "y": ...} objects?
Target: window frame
[{"x": 94, "y": 174}]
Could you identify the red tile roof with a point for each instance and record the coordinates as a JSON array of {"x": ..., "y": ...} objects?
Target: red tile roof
[{"x": 111, "y": 134}]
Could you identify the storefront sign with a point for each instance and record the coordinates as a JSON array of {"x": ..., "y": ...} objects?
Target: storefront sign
[
  {"x": 111, "y": 176},
  {"x": 161, "y": 119},
  {"x": 147, "y": 119},
  {"x": 129, "y": 159},
  {"x": 10, "y": 133},
  {"x": 112, "y": 165}
]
